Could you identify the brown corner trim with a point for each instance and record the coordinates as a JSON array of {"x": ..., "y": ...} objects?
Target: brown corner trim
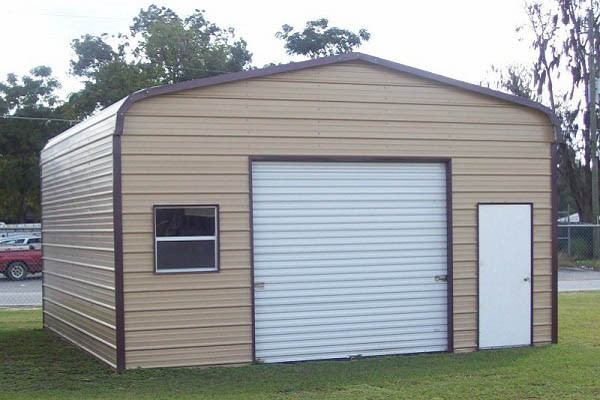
[
  {"x": 295, "y": 66},
  {"x": 531, "y": 270},
  {"x": 391, "y": 159},
  {"x": 554, "y": 224},
  {"x": 118, "y": 249}
]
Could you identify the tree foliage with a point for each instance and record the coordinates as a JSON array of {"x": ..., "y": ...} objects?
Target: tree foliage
[
  {"x": 32, "y": 95},
  {"x": 160, "y": 48},
  {"x": 168, "y": 49},
  {"x": 318, "y": 39},
  {"x": 515, "y": 79},
  {"x": 559, "y": 32}
]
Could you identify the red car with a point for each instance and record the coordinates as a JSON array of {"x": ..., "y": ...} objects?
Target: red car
[{"x": 16, "y": 264}]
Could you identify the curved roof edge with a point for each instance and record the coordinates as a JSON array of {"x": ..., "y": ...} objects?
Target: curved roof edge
[
  {"x": 295, "y": 66},
  {"x": 86, "y": 123}
]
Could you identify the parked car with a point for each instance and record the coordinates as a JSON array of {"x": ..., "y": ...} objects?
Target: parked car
[
  {"x": 16, "y": 264},
  {"x": 36, "y": 241}
]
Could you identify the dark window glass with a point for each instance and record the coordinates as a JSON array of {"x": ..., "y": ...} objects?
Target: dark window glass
[
  {"x": 34, "y": 240},
  {"x": 193, "y": 221},
  {"x": 185, "y": 254}
]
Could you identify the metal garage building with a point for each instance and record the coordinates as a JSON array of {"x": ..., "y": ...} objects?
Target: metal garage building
[{"x": 339, "y": 207}]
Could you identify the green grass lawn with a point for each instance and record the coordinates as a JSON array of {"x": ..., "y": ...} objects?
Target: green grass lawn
[{"x": 36, "y": 364}]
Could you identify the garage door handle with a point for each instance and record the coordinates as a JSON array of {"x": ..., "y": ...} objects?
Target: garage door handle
[
  {"x": 441, "y": 278},
  {"x": 259, "y": 285},
  {"x": 526, "y": 279}
]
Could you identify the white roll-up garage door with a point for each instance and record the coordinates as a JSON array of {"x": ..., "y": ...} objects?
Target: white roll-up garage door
[{"x": 349, "y": 259}]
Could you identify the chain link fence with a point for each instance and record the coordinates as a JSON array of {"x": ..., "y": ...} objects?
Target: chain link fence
[
  {"x": 576, "y": 245},
  {"x": 20, "y": 265}
]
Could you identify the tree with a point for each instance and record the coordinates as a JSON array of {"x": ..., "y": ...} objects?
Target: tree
[
  {"x": 32, "y": 96},
  {"x": 168, "y": 49},
  {"x": 518, "y": 80},
  {"x": 318, "y": 40},
  {"x": 560, "y": 41},
  {"x": 160, "y": 48},
  {"x": 515, "y": 79}
]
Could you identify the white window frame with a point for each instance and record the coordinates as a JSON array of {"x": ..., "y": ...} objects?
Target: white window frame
[{"x": 214, "y": 238}]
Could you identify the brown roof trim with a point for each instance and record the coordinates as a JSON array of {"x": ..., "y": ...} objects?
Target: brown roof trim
[{"x": 295, "y": 66}]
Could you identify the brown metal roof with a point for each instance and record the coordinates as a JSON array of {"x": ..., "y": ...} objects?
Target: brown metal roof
[{"x": 257, "y": 73}]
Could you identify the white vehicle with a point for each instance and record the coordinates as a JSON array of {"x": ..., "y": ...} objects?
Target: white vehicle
[{"x": 34, "y": 242}]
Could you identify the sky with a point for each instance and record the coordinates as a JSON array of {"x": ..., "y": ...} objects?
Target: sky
[{"x": 459, "y": 38}]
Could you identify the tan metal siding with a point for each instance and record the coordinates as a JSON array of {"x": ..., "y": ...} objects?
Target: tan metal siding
[
  {"x": 353, "y": 72},
  {"x": 99, "y": 311},
  {"x": 244, "y": 145},
  {"x": 253, "y": 108},
  {"x": 193, "y": 148},
  {"x": 211, "y": 354},
  {"x": 323, "y": 128},
  {"x": 269, "y": 88},
  {"x": 78, "y": 241}
]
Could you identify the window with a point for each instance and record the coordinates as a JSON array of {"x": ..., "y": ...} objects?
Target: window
[{"x": 186, "y": 239}]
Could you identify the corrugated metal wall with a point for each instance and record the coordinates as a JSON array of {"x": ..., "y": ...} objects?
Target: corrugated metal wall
[
  {"x": 193, "y": 147},
  {"x": 346, "y": 257},
  {"x": 78, "y": 242}
]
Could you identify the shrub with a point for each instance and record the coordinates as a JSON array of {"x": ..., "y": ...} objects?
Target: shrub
[{"x": 581, "y": 248}]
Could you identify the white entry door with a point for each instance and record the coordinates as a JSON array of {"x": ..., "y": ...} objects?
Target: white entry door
[
  {"x": 505, "y": 260},
  {"x": 349, "y": 259}
]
